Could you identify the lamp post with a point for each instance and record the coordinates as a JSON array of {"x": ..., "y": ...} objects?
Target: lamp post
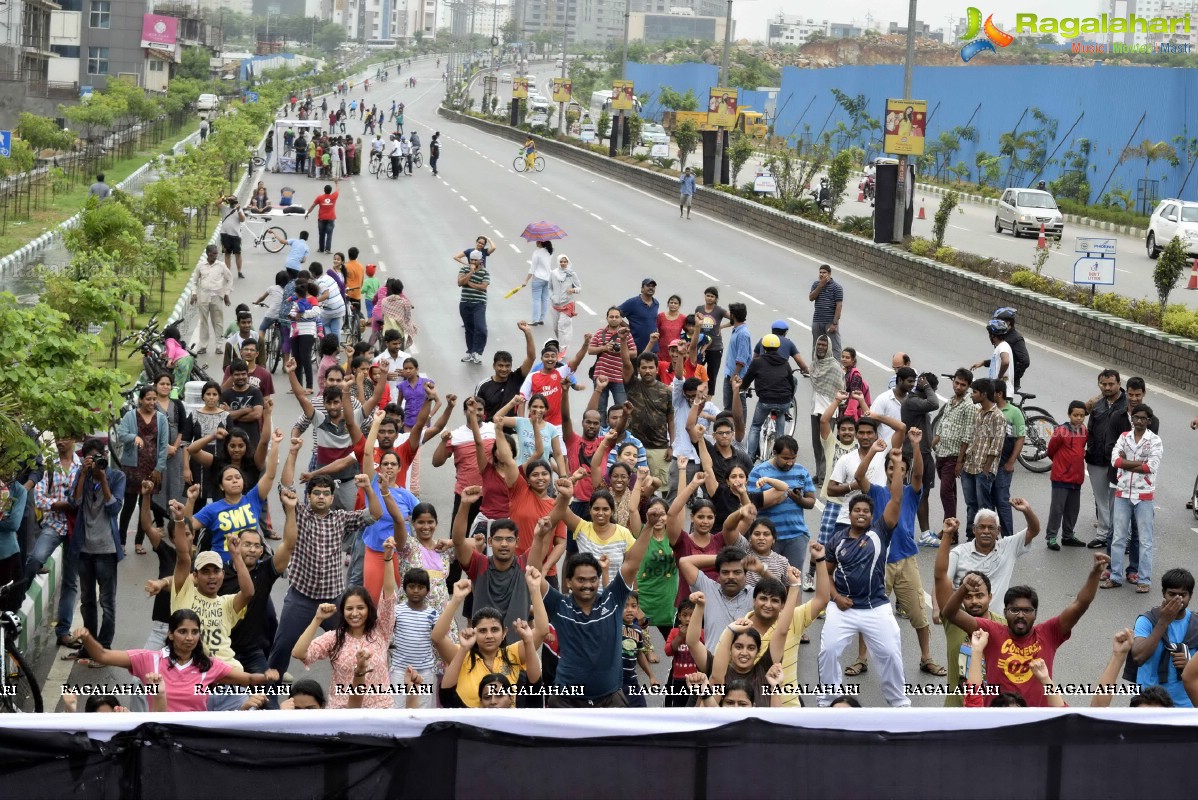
[
  {"x": 565, "y": 34},
  {"x": 719, "y": 132},
  {"x": 618, "y": 133},
  {"x": 900, "y": 187}
]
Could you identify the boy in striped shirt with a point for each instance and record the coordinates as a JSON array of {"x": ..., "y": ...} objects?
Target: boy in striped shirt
[{"x": 411, "y": 643}]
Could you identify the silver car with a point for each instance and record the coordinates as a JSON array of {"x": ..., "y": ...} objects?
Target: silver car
[{"x": 1025, "y": 210}]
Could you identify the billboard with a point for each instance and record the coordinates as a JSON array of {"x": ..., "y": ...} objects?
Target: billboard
[
  {"x": 905, "y": 124},
  {"x": 721, "y": 108},
  {"x": 562, "y": 88},
  {"x": 621, "y": 95},
  {"x": 519, "y": 88},
  {"x": 159, "y": 32}
]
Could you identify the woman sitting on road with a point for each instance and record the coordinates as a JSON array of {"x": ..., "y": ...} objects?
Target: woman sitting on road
[{"x": 260, "y": 202}]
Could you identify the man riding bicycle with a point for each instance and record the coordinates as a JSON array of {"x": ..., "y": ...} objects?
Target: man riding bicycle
[{"x": 775, "y": 387}]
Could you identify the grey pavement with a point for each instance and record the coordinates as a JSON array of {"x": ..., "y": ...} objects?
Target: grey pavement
[{"x": 619, "y": 235}]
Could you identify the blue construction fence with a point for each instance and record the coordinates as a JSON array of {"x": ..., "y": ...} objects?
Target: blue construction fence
[{"x": 1102, "y": 104}]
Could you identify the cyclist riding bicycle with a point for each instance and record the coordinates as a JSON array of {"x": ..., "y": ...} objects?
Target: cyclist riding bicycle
[
  {"x": 1018, "y": 345},
  {"x": 530, "y": 154},
  {"x": 775, "y": 386}
]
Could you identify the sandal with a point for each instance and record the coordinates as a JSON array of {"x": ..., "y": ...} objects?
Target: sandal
[
  {"x": 932, "y": 668},
  {"x": 858, "y": 667},
  {"x": 1109, "y": 584},
  {"x": 141, "y": 551},
  {"x": 1143, "y": 588}
]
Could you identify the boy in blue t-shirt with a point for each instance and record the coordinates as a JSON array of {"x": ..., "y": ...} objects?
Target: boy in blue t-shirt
[{"x": 902, "y": 566}]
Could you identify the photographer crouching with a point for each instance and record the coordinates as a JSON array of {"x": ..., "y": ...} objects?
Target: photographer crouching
[{"x": 230, "y": 230}]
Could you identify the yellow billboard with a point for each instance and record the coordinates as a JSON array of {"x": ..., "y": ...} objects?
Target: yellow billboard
[
  {"x": 562, "y": 88},
  {"x": 519, "y": 88},
  {"x": 905, "y": 125},
  {"x": 721, "y": 108},
  {"x": 621, "y": 95}
]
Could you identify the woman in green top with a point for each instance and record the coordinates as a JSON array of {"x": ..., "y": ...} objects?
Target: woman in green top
[{"x": 657, "y": 580}]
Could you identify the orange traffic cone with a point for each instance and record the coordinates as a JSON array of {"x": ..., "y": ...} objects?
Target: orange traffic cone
[
  {"x": 1042, "y": 242},
  {"x": 860, "y": 196},
  {"x": 1193, "y": 284},
  {"x": 922, "y": 215}
]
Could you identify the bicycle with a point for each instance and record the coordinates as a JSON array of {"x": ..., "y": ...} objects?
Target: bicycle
[
  {"x": 19, "y": 688},
  {"x": 417, "y": 159},
  {"x": 521, "y": 164},
  {"x": 264, "y": 235},
  {"x": 786, "y": 422},
  {"x": 271, "y": 343},
  {"x": 1040, "y": 426},
  {"x": 351, "y": 327},
  {"x": 386, "y": 168}
]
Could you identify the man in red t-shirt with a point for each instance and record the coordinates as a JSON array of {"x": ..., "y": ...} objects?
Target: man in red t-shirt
[
  {"x": 1012, "y": 647},
  {"x": 552, "y": 379},
  {"x": 325, "y": 206}
]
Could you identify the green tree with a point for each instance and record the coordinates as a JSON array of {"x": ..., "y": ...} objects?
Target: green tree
[
  {"x": 1168, "y": 271},
  {"x": 940, "y": 223},
  {"x": 43, "y": 133},
  {"x": 56, "y": 389},
  {"x": 838, "y": 179},
  {"x": 1074, "y": 183},
  {"x": 740, "y": 150},
  {"x": 508, "y": 32},
  {"x": 677, "y": 101},
  {"x": 90, "y": 291},
  {"x": 686, "y": 136},
  {"x": 989, "y": 168},
  {"x": 194, "y": 64},
  {"x": 1150, "y": 152},
  {"x": 330, "y": 36},
  {"x": 603, "y": 126}
]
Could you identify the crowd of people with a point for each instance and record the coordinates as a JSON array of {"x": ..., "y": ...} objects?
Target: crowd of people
[{"x": 605, "y": 508}]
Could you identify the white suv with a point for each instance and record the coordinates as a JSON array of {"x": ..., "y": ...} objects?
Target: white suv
[{"x": 1173, "y": 218}]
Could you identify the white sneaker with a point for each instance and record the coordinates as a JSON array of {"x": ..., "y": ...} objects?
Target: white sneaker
[
  {"x": 808, "y": 583},
  {"x": 478, "y": 359},
  {"x": 468, "y": 358},
  {"x": 929, "y": 539}
]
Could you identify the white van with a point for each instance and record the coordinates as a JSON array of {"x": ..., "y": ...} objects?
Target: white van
[
  {"x": 206, "y": 104},
  {"x": 532, "y": 82}
]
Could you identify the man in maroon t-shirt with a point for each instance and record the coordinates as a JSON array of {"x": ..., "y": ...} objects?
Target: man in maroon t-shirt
[
  {"x": 325, "y": 206},
  {"x": 1012, "y": 647}
]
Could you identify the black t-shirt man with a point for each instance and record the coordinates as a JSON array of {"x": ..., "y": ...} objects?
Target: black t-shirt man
[
  {"x": 237, "y": 399},
  {"x": 256, "y": 630},
  {"x": 497, "y": 394}
]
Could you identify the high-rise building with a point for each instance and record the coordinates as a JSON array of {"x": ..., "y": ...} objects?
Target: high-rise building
[
  {"x": 1146, "y": 9},
  {"x": 582, "y": 20}
]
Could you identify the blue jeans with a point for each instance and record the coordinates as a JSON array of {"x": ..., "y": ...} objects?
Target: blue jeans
[
  {"x": 616, "y": 394},
  {"x": 1000, "y": 500},
  {"x": 540, "y": 299},
  {"x": 68, "y": 593},
  {"x": 332, "y": 323},
  {"x": 793, "y": 549},
  {"x": 324, "y": 234},
  {"x": 1121, "y": 518},
  {"x": 759, "y": 414},
  {"x": 298, "y": 611},
  {"x": 474, "y": 318},
  {"x": 98, "y": 571},
  {"x": 47, "y": 542},
  {"x": 978, "y": 490}
]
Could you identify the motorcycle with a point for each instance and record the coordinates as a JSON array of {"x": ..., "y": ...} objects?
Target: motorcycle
[
  {"x": 821, "y": 198},
  {"x": 868, "y": 189}
]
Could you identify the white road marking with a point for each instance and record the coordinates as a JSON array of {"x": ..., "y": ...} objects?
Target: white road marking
[
  {"x": 485, "y": 220},
  {"x": 463, "y": 197},
  {"x": 672, "y": 258},
  {"x": 517, "y": 249},
  {"x": 646, "y": 244},
  {"x": 576, "y": 205},
  {"x": 559, "y": 197},
  {"x": 751, "y": 297},
  {"x": 375, "y": 248},
  {"x": 370, "y": 233},
  {"x": 585, "y": 307},
  {"x": 546, "y": 188},
  {"x": 455, "y": 191},
  {"x": 472, "y": 208},
  {"x": 618, "y": 229},
  {"x": 365, "y": 222},
  {"x": 500, "y": 235},
  {"x": 707, "y": 275},
  {"x": 596, "y": 216}
]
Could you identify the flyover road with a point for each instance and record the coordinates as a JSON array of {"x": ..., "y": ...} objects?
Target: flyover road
[{"x": 617, "y": 236}]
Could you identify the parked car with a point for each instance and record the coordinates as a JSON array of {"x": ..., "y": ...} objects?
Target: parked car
[
  {"x": 505, "y": 77},
  {"x": 1173, "y": 218},
  {"x": 1025, "y": 210},
  {"x": 652, "y": 134}
]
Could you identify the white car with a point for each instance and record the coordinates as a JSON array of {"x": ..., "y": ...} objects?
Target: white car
[
  {"x": 1025, "y": 210},
  {"x": 653, "y": 134},
  {"x": 538, "y": 120},
  {"x": 1173, "y": 218},
  {"x": 505, "y": 77}
]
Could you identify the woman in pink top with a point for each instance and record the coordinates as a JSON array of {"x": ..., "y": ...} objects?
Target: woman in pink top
[
  {"x": 184, "y": 667},
  {"x": 363, "y": 628}
]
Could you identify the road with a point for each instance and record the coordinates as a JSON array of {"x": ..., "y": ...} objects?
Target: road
[{"x": 619, "y": 235}]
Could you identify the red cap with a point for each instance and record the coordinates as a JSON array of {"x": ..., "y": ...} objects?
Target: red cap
[{"x": 370, "y": 269}]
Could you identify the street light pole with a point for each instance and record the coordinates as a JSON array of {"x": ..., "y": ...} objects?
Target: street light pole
[
  {"x": 565, "y": 34},
  {"x": 719, "y": 132},
  {"x": 900, "y": 187},
  {"x": 618, "y": 133}
]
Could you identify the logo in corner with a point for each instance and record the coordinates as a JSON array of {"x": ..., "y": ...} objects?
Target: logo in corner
[{"x": 992, "y": 35}]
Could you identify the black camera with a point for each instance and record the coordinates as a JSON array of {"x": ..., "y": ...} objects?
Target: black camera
[
  {"x": 615, "y": 346},
  {"x": 232, "y": 201},
  {"x": 100, "y": 462}
]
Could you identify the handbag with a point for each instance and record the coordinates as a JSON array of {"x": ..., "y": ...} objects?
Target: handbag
[{"x": 567, "y": 308}]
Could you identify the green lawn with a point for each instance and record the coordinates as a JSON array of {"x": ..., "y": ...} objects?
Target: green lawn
[{"x": 66, "y": 204}]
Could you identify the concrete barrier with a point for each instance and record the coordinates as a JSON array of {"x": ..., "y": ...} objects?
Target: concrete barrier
[{"x": 1100, "y": 337}]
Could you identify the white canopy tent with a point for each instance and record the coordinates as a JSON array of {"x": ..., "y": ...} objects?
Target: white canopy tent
[{"x": 285, "y": 162}]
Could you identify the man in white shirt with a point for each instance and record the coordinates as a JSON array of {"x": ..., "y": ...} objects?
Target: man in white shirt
[
  {"x": 843, "y": 481},
  {"x": 394, "y": 152},
  {"x": 406, "y": 149},
  {"x": 992, "y": 556},
  {"x": 211, "y": 287},
  {"x": 889, "y": 404},
  {"x": 1002, "y": 361},
  {"x": 332, "y": 304}
]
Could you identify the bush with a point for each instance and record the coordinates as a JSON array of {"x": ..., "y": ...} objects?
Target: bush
[
  {"x": 1181, "y": 321},
  {"x": 641, "y": 157},
  {"x": 940, "y": 223},
  {"x": 1115, "y": 215},
  {"x": 945, "y": 255},
  {"x": 665, "y": 163},
  {"x": 919, "y": 246},
  {"x": 858, "y": 225}
]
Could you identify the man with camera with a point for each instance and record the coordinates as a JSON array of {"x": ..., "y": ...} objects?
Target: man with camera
[
  {"x": 93, "y": 550},
  {"x": 230, "y": 230}
]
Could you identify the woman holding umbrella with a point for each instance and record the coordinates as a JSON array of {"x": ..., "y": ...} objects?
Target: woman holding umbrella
[{"x": 538, "y": 275}]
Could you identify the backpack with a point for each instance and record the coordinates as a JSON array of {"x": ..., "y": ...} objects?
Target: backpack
[{"x": 1131, "y": 669}]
